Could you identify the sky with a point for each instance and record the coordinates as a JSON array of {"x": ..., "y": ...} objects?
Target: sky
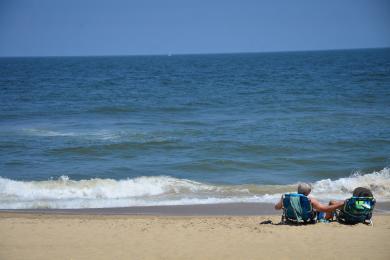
[{"x": 118, "y": 27}]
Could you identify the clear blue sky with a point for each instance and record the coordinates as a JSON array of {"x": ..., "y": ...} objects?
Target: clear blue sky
[{"x": 113, "y": 27}]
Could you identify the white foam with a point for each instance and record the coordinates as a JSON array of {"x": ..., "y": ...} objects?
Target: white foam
[
  {"x": 64, "y": 188},
  {"x": 46, "y": 132},
  {"x": 164, "y": 190},
  {"x": 377, "y": 182},
  {"x": 102, "y": 135}
]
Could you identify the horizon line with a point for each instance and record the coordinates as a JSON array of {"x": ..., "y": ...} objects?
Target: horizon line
[{"x": 188, "y": 54}]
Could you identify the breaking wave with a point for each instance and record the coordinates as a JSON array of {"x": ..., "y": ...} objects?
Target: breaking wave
[{"x": 163, "y": 190}]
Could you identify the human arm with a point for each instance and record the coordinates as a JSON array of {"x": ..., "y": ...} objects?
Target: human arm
[
  {"x": 326, "y": 208},
  {"x": 279, "y": 205}
]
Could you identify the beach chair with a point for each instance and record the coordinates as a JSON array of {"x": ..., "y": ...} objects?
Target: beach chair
[
  {"x": 356, "y": 210},
  {"x": 297, "y": 209}
]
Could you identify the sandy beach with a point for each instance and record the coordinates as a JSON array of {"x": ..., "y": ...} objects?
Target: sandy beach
[
  {"x": 185, "y": 129},
  {"x": 40, "y": 235}
]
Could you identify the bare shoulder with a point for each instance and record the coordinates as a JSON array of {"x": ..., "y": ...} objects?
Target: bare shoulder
[
  {"x": 316, "y": 204},
  {"x": 313, "y": 200}
]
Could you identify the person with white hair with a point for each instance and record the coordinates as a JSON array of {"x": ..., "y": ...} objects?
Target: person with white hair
[{"x": 305, "y": 189}]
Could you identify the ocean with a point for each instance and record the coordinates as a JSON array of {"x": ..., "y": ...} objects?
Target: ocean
[{"x": 120, "y": 131}]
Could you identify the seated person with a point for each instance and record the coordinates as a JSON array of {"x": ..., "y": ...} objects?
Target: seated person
[
  {"x": 305, "y": 189},
  {"x": 358, "y": 192}
]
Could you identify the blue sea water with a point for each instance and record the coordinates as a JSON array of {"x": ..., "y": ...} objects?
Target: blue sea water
[{"x": 177, "y": 129}]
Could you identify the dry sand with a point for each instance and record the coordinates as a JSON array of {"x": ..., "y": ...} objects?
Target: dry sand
[{"x": 51, "y": 236}]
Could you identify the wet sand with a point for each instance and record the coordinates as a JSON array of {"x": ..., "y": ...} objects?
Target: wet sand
[{"x": 226, "y": 209}]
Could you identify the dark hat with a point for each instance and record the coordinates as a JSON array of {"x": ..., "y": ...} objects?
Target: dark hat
[{"x": 362, "y": 192}]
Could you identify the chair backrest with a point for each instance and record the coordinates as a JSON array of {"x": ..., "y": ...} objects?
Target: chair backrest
[
  {"x": 357, "y": 209},
  {"x": 297, "y": 208}
]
